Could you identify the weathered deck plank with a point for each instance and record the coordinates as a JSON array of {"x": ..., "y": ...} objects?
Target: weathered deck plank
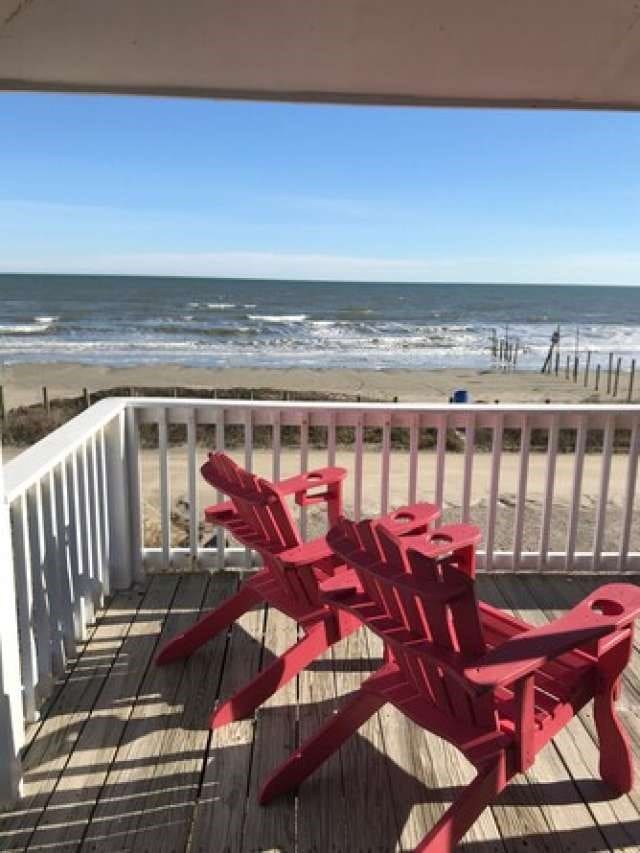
[
  {"x": 71, "y": 805},
  {"x": 124, "y": 759},
  {"x": 54, "y": 742}
]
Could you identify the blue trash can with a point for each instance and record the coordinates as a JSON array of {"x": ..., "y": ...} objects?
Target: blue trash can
[{"x": 460, "y": 395}]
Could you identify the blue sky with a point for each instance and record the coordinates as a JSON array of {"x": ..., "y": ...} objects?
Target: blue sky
[{"x": 160, "y": 186}]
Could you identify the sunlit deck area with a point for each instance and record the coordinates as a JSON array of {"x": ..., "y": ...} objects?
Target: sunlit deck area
[{"x": 122, "y": 758}]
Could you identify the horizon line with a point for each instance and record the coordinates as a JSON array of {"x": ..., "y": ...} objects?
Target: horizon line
[{"x": 23, "y": 273}]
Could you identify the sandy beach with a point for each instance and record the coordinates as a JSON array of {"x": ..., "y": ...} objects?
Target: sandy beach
[{"x": 23, "y": 383}]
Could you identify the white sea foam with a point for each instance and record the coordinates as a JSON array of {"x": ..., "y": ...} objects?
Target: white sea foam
[
  {"x": 278, "y": 318},
  {"x": 220, "y": 306},
  {"x": 46, "y": 320},
  {"x": 24, "y": 328}
]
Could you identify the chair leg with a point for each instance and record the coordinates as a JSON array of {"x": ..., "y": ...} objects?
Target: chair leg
[
  {"x": 283, "y": 669},
  {"x": 186, "y": 643},
  {"x": 330, "y": 737},
  {"x": 616, "y": 763},
  {"x": 459, "y": 817}
]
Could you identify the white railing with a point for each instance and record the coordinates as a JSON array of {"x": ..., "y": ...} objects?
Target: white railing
[{"x": 80, "y": 503}]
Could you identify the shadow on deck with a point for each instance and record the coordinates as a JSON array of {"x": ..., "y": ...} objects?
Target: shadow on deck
[{"x": 122, "y": 759}]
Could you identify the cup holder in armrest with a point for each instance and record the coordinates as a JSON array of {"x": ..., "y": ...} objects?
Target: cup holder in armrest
[{"x": 607, "y": 607}]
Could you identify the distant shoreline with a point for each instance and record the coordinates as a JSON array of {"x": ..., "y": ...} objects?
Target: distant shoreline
[{"x": 22, "y": 383}]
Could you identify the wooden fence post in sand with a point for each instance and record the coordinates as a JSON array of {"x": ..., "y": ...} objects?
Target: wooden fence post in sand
[
  {"x": 597, "y": 376},
  {"x": 576, "y": 365},
  {"x": 3, "y": 415},
  {"x": 586, "y": 369},
  {"x": 617, "y": 377},
  {"x": 557, "y": 361},
  {"x": 86, "y": 397},
  {"x": 609, "y": 372},
  {"x": 631, "y": 377},
  {"x": 45, "y": 399},
  {"x": 567, "y": 368}
]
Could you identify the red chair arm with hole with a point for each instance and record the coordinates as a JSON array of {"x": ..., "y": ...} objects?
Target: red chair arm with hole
[
  {"x": 301, "y": 483},
  {"x": 608, "y": 609},
  {"x": 410, "y": 519},
  {"x": 217, "y": 512}
]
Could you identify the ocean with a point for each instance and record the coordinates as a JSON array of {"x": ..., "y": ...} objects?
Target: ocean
[{"x": 121, "y": 320}]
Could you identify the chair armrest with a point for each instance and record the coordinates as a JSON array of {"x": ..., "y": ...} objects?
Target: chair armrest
[
  {"x": 608, "y": 609},
  {"x": 301, "y": 483},
  {"x": 410, "y": 519}
]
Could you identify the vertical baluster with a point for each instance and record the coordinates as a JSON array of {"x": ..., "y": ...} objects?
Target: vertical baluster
[
  {"x": 84, "y": 518},
  {"x": 414, "y": 437},
  {"x": 11, "y": 713},
  {"x": 75, "y": 548},
  {"x": 441, "y": 455},
  {"x": 304, "y": 466},
  {"x": 523, "y": 474},
  {"x": 135, "y": 503},
  {"x": 496, "y": 455},
  {"x": 65, "y": 572},
  {"x": 40, "y": 617},
  {"x": 357, "y": 477},
  {"x": 605, "y": 472},
  {"x": 576, "y": 492},
  {"x": 275, "y": 445},
  {"x": 165, "y": 487},
  {"x": 220, "y": 445},
  {"x": 96, "y": 522},
  {"x": 116, "y": 479},
  {"x": 104, "y": 510},
  {"x": 547, "y": 508},
  {"x": 469, "y": 452},
  {"x": 248, "y": 464},
  {"x": 53, "y": 573},
  {"x": 331, "y": 439},
  {"x": 629, "y": 495},
  {"x": 24, "y": 597},
  {"x": 192, "y": 485},
  {"x": 386, "y": 459}
]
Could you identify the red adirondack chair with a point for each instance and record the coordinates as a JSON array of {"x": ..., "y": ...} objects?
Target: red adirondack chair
[
  {"x": 258, "y": 516},
  {"x": 495, "y": 687}
]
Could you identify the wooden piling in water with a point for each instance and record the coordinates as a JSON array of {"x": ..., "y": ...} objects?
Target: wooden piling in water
[{"x": 631, "y": 378}]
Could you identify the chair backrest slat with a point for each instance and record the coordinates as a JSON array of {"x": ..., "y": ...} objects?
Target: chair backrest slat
[
  {"x": 426, "y": 585},
  {"x": 257, "y": 502}
]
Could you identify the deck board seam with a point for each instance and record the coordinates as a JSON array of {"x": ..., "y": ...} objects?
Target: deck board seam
[
  {"x": 98, "y": 798},
  {"x": 247, "y": 796},
  {"x": 205, "y": 753},
  {"x": 90, "y": 711}
]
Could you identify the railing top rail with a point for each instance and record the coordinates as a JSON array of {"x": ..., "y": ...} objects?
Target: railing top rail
[
  {"x": 34, "y": 462},
  {"x": 442, "y": 408}
]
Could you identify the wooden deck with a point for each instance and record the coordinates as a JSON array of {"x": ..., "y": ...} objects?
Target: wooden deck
[{"x": 123, "y": 759}]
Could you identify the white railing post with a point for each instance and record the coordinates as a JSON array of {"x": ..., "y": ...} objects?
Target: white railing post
[
  {"x": 120, "y": 560},
  {"x": 11, "y": 719}
]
